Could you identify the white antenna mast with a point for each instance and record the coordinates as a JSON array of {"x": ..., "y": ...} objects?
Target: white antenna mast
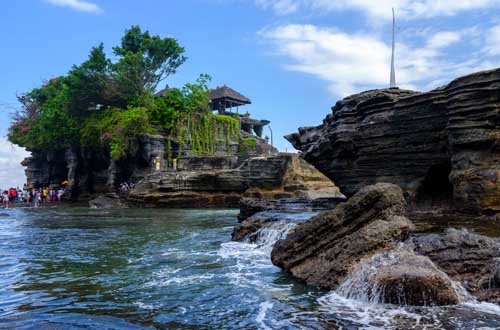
[{"x": 393, "y": 71}]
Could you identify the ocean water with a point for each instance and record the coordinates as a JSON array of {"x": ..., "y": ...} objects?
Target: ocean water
[{"x": 77, "y": 268}]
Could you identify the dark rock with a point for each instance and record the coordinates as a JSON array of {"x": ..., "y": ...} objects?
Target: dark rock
[
  {"x": 440, "y": 147},
  {"x": 322, "y": 251},
  {"x": 247, "y": 228},
  {"x": 251, "y": 206},
  {"x": 108, "y": 201},
  {"x": 399, "y": 277},
  {"x": 415, "y": 280},
  {"x": 472, "y": 259}
]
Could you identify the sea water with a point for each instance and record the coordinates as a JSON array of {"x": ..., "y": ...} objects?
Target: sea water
[{"x": 75, "y": 268}]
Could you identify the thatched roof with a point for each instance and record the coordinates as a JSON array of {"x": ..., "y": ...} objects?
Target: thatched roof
[
  {"x": 162, "y": 92},
  {"x": 228, "y": 94}
]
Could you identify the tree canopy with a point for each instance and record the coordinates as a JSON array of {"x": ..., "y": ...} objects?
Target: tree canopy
[{"x": 108, "y": 103}]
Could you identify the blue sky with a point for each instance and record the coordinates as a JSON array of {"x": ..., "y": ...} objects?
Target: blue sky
[{"x": 293, "y": 58}]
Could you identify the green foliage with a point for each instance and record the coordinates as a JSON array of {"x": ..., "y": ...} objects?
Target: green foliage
[
  {"x": 101, "y": 103},
  {"x": 145, "y": 60},
  {"x": 201, "y": 131},
  {"x": 246, "y": 145},
  {"x": 88, "y": 83},
  {"x": 116, "y": 128},
  {"x": 48, "y": 126}
]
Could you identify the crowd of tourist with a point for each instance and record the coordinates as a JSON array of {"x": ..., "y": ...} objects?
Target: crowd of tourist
[
  {"x": 35, "y": 197},
  {"x": 125, "y": 187}
]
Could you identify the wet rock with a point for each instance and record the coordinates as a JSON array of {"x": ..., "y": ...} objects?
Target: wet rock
[
  {"x": 108, "y": 201},
  {"x": 401, "y": 277},
  {"x": 251, "y": 206},
  {"x": 415, "y": 280},
  {"x": 322, "y": 251},
  {"x": 442, "y": 144},
  {"x": 472, "y": 259},
  {"x": 247, "y": 229}
]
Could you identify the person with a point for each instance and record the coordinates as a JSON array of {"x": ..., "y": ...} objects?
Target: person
[
  {"x": 12, "y": 195},
  {"x": 5, "y": 199},
  {"x": 36, "y": 197},
  {"x": 45, "y": 193},
  {"x": 60, "y": 194}
]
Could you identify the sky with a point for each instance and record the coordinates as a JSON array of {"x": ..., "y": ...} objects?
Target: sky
[{"x": 293, "y": 58}]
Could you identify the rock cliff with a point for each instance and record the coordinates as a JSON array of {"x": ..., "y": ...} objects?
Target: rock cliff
[
  {"x": 222, "y": 181},
  {"x": 92, "y": 171},
  {"x": 442, "y": 147}
]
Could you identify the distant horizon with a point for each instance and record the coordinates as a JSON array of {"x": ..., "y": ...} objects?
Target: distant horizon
[{"x": 293, "y": 58}]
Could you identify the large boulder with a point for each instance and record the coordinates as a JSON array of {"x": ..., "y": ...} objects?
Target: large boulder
[
  {"x": 472, "y": 259},
  {"x": 323, "y": 250},
  {"x": 399, "y": 276}
]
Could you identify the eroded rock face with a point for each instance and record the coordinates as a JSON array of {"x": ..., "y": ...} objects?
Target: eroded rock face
[
  {"x": 438, "y": 145},
  {"x": 323, "y": 250},
  {"x": 468, "y": 258},
  {"x": 272, "y": 177}
]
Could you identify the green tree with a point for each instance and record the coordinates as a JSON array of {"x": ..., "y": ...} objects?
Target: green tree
[
  {"x": 89, "y": 84},
  {"x": 144, "y": 61}
]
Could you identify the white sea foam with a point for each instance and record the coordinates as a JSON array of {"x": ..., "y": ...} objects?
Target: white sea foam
[{"x": 261, "y": 315}]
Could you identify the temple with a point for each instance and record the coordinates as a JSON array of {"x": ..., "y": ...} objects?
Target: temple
[{"x": 224, "y": 99}]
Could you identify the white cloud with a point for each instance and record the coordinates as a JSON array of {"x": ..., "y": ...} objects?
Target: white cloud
[
  {"x": 406, "y": 9},
  {"x": 351, "y": 63},
  {"x": 11, "y": 171},
  {"x": 281, "y": 7},
  {"x": 444, "y": 39},
  {"x": 80, "y": 5},
  {"x": 492, "y": 47}
]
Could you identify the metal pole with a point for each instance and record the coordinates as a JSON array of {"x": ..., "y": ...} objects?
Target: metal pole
[
  {"x": 393, "y": 71},
  {"x": 270, "y": 129}
]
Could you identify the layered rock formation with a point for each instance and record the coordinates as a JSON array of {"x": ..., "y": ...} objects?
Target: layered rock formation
[
  {"x": 365, "y": 250},
  {"x": 324, "y": 250},
  {"x": 441, "y": 146},
  {"x": 92, "y": 171},
  {"x": 279, "y": 176},
  {"x": 468, "y": 258}
]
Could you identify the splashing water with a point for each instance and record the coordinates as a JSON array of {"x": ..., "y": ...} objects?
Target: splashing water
[
  {"x": 362, "y": 284},
  {"x": 147, "y": 268},
  {"x": 267, "y": 236}
]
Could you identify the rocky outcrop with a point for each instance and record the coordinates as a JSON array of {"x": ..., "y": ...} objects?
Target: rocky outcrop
[
  {"x": 401, "y": 277},
  {"x": 471, "y": 259},
  {"x": 279, "y": 176},
  {"x": 108, "y": 201},
  {"x": 247, "y": 229},
  {"x": 323, "y": 250},
  {"x": 91, "y": 171},
  {"x": 441, "y": 147}
]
